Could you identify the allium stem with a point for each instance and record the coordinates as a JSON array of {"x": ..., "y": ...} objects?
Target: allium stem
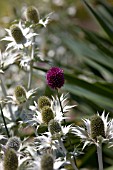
[
  {"x": 71, "y": 159},
  {"x": 4, "y": 121},
  {"x": 5, "y": 94},
  {"x": 99, "y": 154},
  {"x": 60, "y": 104},
  {"x": 31, "y": 65}
]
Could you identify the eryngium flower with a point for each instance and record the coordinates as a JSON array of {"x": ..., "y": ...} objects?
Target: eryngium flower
[
  {"x": 20, "y": 94},
  {"x": 47, "y": 114},
  {"x": 43, "y": 101},
  {"x": 55, "y": 77},
  {"x": 32, "y": 14},
  {"x": 14, "y": 143},
  {"x": 97, "y": 127},
  {"x": 10, "y": 160},
  {"x": 96, "y": 130},
  {"x": 54, "y": 127},
  {"x": 47, "y": 162},
  {"x": 17, "y": 34},
  {"x": 18, "y": 37}
]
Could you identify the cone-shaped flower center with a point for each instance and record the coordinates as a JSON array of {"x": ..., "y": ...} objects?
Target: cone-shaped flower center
[
  {"x": 47, "y": 114},
  {"x": 97, "y": 127},
  {"x": 54, "y": 127},
  {"x": 14, "y": 143},
  {"x": 47, "y": 162},
  {"x": 17, "y": 34},
  {"x": 32, "y": 14},
  {"x": 20, "y": 94},
  {"x": 43, "y": 101},
  {"x": 10, "y": 160}
]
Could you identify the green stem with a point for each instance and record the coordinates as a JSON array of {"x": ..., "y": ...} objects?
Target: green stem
[
  {"x": 31, "y": 66},
  {"x": 4, "y": 122},
  {"x": 99, "y": 154},
  {"x": 5, "y": 94}
]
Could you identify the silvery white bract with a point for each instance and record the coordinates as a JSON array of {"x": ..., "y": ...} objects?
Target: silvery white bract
[
  {"x": 85, "y": 132},
  {"x": 25, "y": 62},
  {"x": 7, "y": 58},
  {"x": 27, "y": 35},
  {"x": 45, "y": 142},
  {"x": 12, "y": 99},
  {"x": 57, "y": 109},
  {"x": 57, "y": 164},
  {"x": 55, "y": 106},
  {"x": 45, "y": 21}
]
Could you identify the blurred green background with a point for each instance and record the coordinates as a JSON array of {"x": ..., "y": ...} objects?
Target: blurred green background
[{"x": 78, "y": 39}]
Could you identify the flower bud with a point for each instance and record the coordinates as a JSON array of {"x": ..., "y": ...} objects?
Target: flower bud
[
  {"x": 47, "y": 162},
  {"x": 14, "y": 143},
  {"x": 54, "y": 127},
  {"x": 32, "y": 14},
  {"x": 47, "y": 114},
  {"x": 10, "y": 160},
  {"x": 17, "y": 34},
  {"x": 20, "y": 94},
  {"x": 97, "y": 127},
  {"x": 43, "y": 101}
]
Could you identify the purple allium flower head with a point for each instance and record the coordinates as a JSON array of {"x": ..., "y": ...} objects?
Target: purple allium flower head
[{"x": 55, "y": 77}]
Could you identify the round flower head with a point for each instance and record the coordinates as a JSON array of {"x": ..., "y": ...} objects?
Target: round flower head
[
  {"x": 47, "y": 114},
  {"x": 20, "y": 94},
  {"x": 32, "y": 14},
  {"x": 47, "y": 162},
  {"x": 17, "y": 34},
  {"x": 54, "y": 127},
  {"x": 10, "y": 160},
  {"x": 43, "y": 101},
  {"x": 97, "y": 130},
  {"x": 55, "y": 77},
  {"x": 14, "y": 143}
]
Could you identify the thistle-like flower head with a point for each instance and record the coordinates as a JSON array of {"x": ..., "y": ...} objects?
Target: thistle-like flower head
[
  {"x": 43, "y": 101},
  {"x": 20, "y": 94},
  {"x": 47, "y": 114},
  {"x": 47, "y": 162},
  {"x": 97, "y": 130},
  {"x": 55, "y": 77},
  {"x": 14, "y": 143},
  {"x": 32, "y": 14},
  {"x": 10, "y": 160},
  {"x": 18, "y": 37},
  {"x": 17, "y": 34},
  {"x": 97, "y": 127},
  {"x": 54, "y": 127}
]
